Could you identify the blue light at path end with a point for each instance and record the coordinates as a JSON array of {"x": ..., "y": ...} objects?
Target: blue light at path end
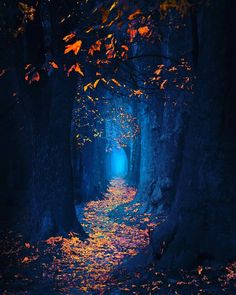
[{"x": 119, "y": 163}]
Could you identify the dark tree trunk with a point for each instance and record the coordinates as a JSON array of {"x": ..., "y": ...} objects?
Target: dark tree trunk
[
  {"x": 44, "y": 114},
  {"x": 202, "y": 218}
]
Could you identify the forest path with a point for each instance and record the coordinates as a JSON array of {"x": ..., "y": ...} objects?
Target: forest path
[{"x": 115, "y": 234}]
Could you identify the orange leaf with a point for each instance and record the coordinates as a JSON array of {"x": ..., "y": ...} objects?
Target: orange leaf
[
  {"x": 75, "y": 47},
  {"x": 138, "y": 92},
  {"x": 157, "y": 72},
  {"x": 78, "y": 69},
  {"x": 95, "y": 47},
  {"x": 105, "y": 15},
  {"x": 116, "y": 82},
  {"x": 69, "y": 37},
  {"x": 125, "y": 47},
  {"x": 90, "y": 98},
  {"x": 95, "y": 84},
  {"x": 143, "y": 31},
  {"x": 163, "y": 84},
  {"x": 75, "y": 68},
  {"x": 26, "y": 260},
  {"x": 113, "y": 5},
  {"x": 132, "y": 33},
  {"x": 53, "y": 64},
  {"x": 133, "y": 15},
  {"x": 199, "y": 270},
  {"x": 89, "y": 30},
  {"x": 34, "y": 78}
]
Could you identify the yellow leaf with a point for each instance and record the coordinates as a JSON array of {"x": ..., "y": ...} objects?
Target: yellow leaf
[
  {"x": 113, "y": 5},
  {"x": 90, "y": 98},
  {"x": 89, "y": 85},
  {"x": 95, "y": 84}
]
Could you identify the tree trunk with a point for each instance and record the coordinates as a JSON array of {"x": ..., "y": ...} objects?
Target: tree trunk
[
  {"x": 201, "y": 221},
  {"x": 46, "y": 108}
]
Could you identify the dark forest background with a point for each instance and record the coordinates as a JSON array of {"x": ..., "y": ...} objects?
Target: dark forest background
[{"x": 182, "y": 159}]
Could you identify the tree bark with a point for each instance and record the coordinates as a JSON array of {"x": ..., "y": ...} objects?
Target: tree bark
[{"x": 200, "y": 228}]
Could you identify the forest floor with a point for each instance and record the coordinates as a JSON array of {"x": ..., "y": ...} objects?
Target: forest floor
[{"x": 117, "y": 232}]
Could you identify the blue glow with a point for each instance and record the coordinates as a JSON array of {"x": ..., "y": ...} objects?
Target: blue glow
[{"x": 118, "y": 166}]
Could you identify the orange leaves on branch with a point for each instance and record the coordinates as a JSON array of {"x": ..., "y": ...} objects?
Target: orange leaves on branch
[
  {"x": 95, "y": 47},
  {"x": 75, "y": 47},
  {"x": 93, "y": 85},
  {"x": 69, "y": 37},
  {"x": 75, "y": 68},
  {"x": 142, "y": 31},
  {"x": 135, "y": 14}
]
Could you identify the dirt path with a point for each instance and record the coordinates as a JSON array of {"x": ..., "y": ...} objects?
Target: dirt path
[
  {"x": 116, "y": 233},
  {"x": 114, "y": 236}
]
